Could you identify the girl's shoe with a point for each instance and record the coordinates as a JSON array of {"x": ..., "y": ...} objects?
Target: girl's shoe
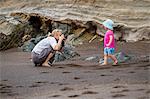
[{"x": 115, "y": 64}]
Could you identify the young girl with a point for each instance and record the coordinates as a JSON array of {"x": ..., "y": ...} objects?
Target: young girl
[{"x": 109, "y": 42}]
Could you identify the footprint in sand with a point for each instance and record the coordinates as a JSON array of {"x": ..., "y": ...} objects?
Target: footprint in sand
[
  {"x": 143, "y": 97},
  {"x": 73, "y": 96},
  {"x": 38, "y": 84},
  {"x": 118, "y": 95},
  {"x": 124, "y": 90},
  {"x": 148, "y": 92},
  {"x": 34, "y": 85},
  {"x": 6, "y": 86},
  {"x": 63, "y": 84},
  {"x": 65, "y": 72},
  {"x": 54, "y": 82},
  {"x": 131, "y": 72},
  {"x": 74, "y": 65},
  {"x": 55, "y": 96},
  {"x": 44, "y": 72},
  {"x": 4, "y": 80},
  {"x": 66, "y": 89},
  {"x": 89, "y": 92},
  {"x": 85, "y": 88},
  {"x": 84, "y": 81},
  {"x": 146, "y": 82},
  {"x": 140, "y": 89},
  {"x": 88, "y": 72},
  {"x": 119, "y": 86},
  {"x": 19, "y": 86},
  {"x": 6, "y": 90},
  {"x": 105, "y": 75},
  {"x": 12, "y": 94},
  {"x": 76, "y": 78},
  {"x": 61, "y": 67},
  {"x": 117, "y": 79},
  {"x": 112, "y": 71},
  {"x": 41, "y": 82}
]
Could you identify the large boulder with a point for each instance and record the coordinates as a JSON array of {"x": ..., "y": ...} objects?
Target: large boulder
[
  {"x": 29, "y": 44},
  {"x": 7, "y": 27},
  {"x": 66, "y": 53}
]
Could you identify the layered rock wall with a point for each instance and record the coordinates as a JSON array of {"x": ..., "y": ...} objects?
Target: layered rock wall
[{"x": 82, "y": 18}]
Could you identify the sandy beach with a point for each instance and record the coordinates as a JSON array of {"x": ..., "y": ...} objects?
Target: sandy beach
[{"x": 75, "y": 78}]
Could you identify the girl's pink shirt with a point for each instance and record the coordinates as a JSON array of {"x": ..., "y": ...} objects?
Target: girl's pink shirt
[{"x": 107, "y": 38}]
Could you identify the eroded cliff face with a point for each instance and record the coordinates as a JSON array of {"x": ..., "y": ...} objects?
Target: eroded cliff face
[{"x": 79, "y": 17}]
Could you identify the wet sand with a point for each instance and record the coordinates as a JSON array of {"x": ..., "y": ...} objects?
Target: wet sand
[{"x": 75, "y": 78}]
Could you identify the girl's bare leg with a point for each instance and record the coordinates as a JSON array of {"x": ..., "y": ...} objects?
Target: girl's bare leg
[
  {"x": 105, "y": 60},
  {"x": 113, "y": 58}
]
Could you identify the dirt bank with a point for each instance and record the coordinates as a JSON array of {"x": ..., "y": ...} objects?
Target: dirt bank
[{"x": 131, "y": 17}]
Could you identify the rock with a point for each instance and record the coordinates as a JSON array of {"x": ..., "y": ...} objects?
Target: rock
[
  {"x": 139, "y": 34},
  {"x": 7, "y": 24},
  {"x": 26, "y": 38},
  {"x": 28, "y": 46},
  {"x": 121, "y": 57},
  {"x": 92, "y": 58},
  {"x": 37, "y": 39},
  {"x": 66, "y": 29},
  {"x": 65, "y": 54},
  {"x": 131, "y": 34},
  {"x": 59, "y": 57},
  {"x": 70, "y": 40},
  {"x": 4, "y": 40},
  {"x": 68, "y": 52},
  {"x": 14, "y": 30}
]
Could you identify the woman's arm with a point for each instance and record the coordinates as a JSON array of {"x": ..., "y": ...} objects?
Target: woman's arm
[{"x": 58, "y": 46}]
